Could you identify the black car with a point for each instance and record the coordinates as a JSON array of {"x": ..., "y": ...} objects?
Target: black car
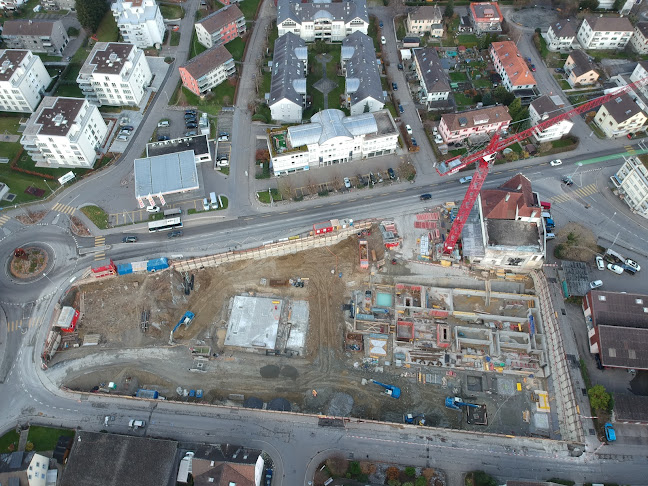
[
  {"x": 597, "y": 358},
  {"x": 129, "y": 239},
  {"x": 190, "y": 112},
  {"x": 414, "y": 144},
  {"x": 425, "y": 197},
  {"x": 567, "y": 180},
  {"x": 162, "y": 138},
  {"x": 394, "y": 86},
  {"x": 392, "y": 174},
  {"x": 191, "y": 125},
  {"x": 400, "y": 67},
  {"x": 174, "y": 234}
]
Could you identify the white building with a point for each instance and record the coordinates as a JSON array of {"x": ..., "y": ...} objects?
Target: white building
[
  {"x": 632, "y": 183},
  {"x": 221, "y": 26},
  {"x": 332, "y": 138},
  {"x": 433, "y": 80},
  {"x": 639, "y": 40},
  {"x": 511, "y": 66},
  {"x": 287, "y": 97},
  {"x": 64, "y": 132},
  {"x": 475, "y": 124},
  {"x": 363, "y": 89},
  {"x": 115, "y": 74},
  {"x": 11, "y": 4},
  {"x": 544, "y": 108},
  {"x": 604, "y": 32},
  {"x": 322, "y": 20},
  {"x": 37, "y": 471},
  {"x": 640, "y": 72},
  {"x": 140, "y": 22},
  {"x": 23, "y": 80},
  {"x": 424, "y": 19},
  {"x": 561, "y": 35}
]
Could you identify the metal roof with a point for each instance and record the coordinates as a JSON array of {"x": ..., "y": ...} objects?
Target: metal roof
[
  {"x": 362, "y": 75},
  {"x": 328, "y": 124},
  {"x": 166, "y": 174},
  {"x": 288, "y": 68}
]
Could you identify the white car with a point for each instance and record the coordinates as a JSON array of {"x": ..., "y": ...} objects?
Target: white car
[
  {"x": 596, "y": 284},
  {"x": 463, "y": 180},
  {"x": 408, "y": 129},
  {"x": 152, "y": 209},
  {"x": 615, "y": 268},
  {"x": 136, "y": 424},
  {"x": 438, "y": 140},
  {"x": 600, "y": 263},
  {"x": 347, "y": 183},
  {"x": 556, "y": 162},
  {"x": 383, "y": 41},
  {"x": 633, "y": 264}
]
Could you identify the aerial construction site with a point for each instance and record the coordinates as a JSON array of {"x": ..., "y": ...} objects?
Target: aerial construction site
[{"x": 356, "y": 319}]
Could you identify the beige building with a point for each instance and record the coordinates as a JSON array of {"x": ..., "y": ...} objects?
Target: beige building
[
  {"x": 579, "y": 69},
  {"x": 426, "y": 19},
  {"x": 620, "y": 116},
  {"x": 631, "y": 182}
]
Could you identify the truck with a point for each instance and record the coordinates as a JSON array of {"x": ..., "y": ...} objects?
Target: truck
[
  {"x": 144, "y": 393},
  {"x": 549, "y": 223},
  {"x": 391, "y": 390}
]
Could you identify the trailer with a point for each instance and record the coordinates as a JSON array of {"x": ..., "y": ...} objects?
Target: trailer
[
  {"x": 67, "y": 319},
  {"x": 103, "y": 268},
  {"x": 157, "y": 264},
  {"x": 364, "y": 253},
  {"x": 322, "y": 228}
]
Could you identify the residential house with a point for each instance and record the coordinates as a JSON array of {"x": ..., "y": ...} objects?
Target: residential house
[
  {"x": 561, "y": 35},
  {"x": 115, "y": 74},
  {"x": 23, "y": 80},
  {"x": 287, "y": 97},
  {"x": 426, "y": 19},
  {"x": 486, "y": 17},
  {"x": 38, "y": 472},
  {"x": 545, "y": 108},
  {"x": 455, "y": 127},
  {"x": 511, "y": 66},
  {"x": 64, "y": 132},
  {"x": 363, "y": 90},
  {"x": 617, "y": 328},
  {"x": 639, "y": 40},
  {"x": 328, "y": 21},
  {"x": 640, "y": 72},
  {"x": 222, "y": 466},
  {"x": 207, "y": 70},
  {"x": 433, "y": 79},
  {"x": 140, "y": 22},
  {"x": 598, "y": 32},
  {"x": 47, "y": 36},
  {"x": 332, "y": 138},
  {"x": 506, "y": 229},
  {"x": 580, "y": 71},
  {"x": 631, "y": 182},
  {"x": 620, "y": 116},
  {"x": 221, "y": 26}
]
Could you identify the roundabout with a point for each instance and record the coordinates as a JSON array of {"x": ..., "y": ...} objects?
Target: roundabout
[{"x": 29, "y": 262}]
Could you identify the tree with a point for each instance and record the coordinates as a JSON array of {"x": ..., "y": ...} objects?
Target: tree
[
  {"x": 410, "y": 471},
  {"x": 366, "y": 107},
  {"x": 502, "y": 96},
  {"x": 487, "y": 98},
  {"x": 515, "y": 108},
  {"x": 90, "y": 13},
  {"x": 572, "y": 240},
  {"x": 449, "y": 10},
  {"x": 599, "y": 398},
  {"x": 616, "y": 6},
  {"x": 421, "y": 481},
  {"x": 589, "y": 4}
]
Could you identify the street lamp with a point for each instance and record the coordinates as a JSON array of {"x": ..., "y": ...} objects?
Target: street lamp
[{"x": 48, "y": 186}]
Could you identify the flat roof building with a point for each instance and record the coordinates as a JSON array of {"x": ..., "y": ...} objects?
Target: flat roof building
[
  {"x": 23, "y": 80},
  {"x": 198, "y": 144},
  {"x": 165, "y": 174},
  {"x": 323, "y": 19},
  {"x": 486, "y": 17},
  {"x": 140, "y": 22}
]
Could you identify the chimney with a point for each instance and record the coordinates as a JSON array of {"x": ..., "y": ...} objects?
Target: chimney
[
  {"x": 508, "y": 196},
  {"x": 519, "y": 187}
]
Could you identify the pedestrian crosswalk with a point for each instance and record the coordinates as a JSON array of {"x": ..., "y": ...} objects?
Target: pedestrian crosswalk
[
  {"x": 4, "y": 218},
  {"x": 581, "y": 192},
  {"x": 63, "y": 208},
  {"x": 100, "y": 241},
  {"x": 630, "y": 149},
  {"x": 23, "y": 324}
]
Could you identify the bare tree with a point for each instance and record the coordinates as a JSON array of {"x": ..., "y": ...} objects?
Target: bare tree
[{"x": 285, "y": 187}]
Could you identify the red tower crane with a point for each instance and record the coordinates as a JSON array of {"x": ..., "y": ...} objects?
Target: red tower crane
[{"x": 486, "y": 156}]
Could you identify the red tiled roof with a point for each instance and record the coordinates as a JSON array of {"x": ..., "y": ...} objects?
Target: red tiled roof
[{"x": 512, "y": 199}]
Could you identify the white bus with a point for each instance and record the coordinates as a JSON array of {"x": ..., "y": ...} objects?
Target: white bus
[
  {"x": 164, "y": 224},
  {"x": 172, "y": 212}
]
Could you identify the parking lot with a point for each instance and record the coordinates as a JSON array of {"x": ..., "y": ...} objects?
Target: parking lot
[{"x": 223, "y": 146}]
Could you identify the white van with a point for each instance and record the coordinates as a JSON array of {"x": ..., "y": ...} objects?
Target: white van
[
  {"x": 205, "y": 204},
  {"x": 214, "y": 201},
  {"x": 550, "y": 236},
  {"x": 163, "y": 123}
]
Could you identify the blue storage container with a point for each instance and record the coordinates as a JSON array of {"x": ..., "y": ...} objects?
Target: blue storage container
[
  {"x": 143, "y": 393},
  {"x": 157, "y": 264},
  {"x": 124, "y": 268}
]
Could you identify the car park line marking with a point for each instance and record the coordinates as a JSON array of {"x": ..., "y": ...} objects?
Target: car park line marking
[
  {"x": 284, "y": 212},
  {"x": 304, "y": 209},
  {"x": 368, "y": 197},
  {"x": 402, "y": 190},
  {"x": 353, "y": 200},
  {"x": 320, "y": 206}
]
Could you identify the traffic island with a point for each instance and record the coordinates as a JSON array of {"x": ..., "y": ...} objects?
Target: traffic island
[{"x": 28, "y": 262}]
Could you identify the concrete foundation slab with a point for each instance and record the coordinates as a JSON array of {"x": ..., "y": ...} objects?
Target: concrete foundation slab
[{"x": 253, "y": 322}]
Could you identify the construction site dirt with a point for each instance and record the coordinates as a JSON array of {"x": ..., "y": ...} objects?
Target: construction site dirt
[{"x": 326, "y": 379}]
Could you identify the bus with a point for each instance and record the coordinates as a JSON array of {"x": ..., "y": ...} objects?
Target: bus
[
  {"x": 165, "y": 224},
  {"x": 172, "y": 212}
]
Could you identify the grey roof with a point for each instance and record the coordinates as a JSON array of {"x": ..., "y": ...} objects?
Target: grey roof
[
  {"x": 215, "y": 22},
  {"x": 643, "y": 28},
  {"x": 299, "y": 11},
  {"x": 434, "y": 77},
  {"x": 362, "y": 75},
  {"x": 622, "y": 107},
  {"x": 631, "y": 408},
  {"x": 165, "y": 174},
  {"x": 328, "y": 124},
  {"x": 426, "y": 12},
  {"x": 288, "y": 63},
  {"x": 517, "y": 234},
  {"x": 582, "y": 63},
  {"x": 113, "y": 459},
  {"x": 207, "y": 61},
  {"x": 618, "y": 309},
  {"x": 545, "y": 105},
  {"x": 29, "y": 27},
  {"x": 197, "y": 144},
  {"x": 564, "y": 28},
  {"x": 623, "y": 347},
  {"x": 609, "y": 24},
  {"x": 108, "y": 57}
]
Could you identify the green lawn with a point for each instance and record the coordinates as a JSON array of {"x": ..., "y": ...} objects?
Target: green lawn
[
  {"x": 26, "y": 162},
  {"x": 97, "y": 215},
  {"x": 249, "y": 8},
  {"x": 401, "y": 30},
  {"x": 107, "y": 30},
  {"x": 45, "y": 58},
  {"x": 236, "y": 48},
  {"x": 457, "y": 152},
  {"x": 223, "y": 95},
  {"x": 272, "y": 36},
  {"x": 18, "y": 181},
  {"x": 463, "y": 100},
  {"x": 266, "y": 83},
  {"x": 372, "y": 31},
  {"x": 196, "y": 47},
  {"x": 8, "y": 439},
  {"x": 563, "y": 142},
  {"x": 517, "y": 148},
  {"x": 171, "y": 12},
  {"x": 175, "y": 39},
  {"x": 72, "y": 72},
  {"x": 564, "y": 84},
  {"x": 69, "y": 90},
  {"x": 467, "y": 40},
  {"x": 45, "y": 438},
  {"x": 482, "y": 83},
  {"x": 9, "y": 123},
  {"x": 458, "y": 77},
  {"x": 264, "y": 197},
  {"x": 331, "y": 72}
]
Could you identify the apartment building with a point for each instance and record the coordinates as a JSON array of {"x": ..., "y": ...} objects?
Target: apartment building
[
  {"x": 426, "y": 19},
  {"x": 115, "y": 74},
  {"x": 322, "y": 20},
  {"x": 332, "y": 138},
  {"x": 620, "y": 116},
  {"x": 486, "y": 17},
  {"x": 11, "y": 4},
  {"x": 561, "y": 35},
  {"x": 47, "y": 36},
  {"x": 221, "y": 26},
  {"x": 433, "y": 80},
  {"x": 544, "y": 108},
  {"x": 64, "y": 132},
  {"x": 455, "y": 127},
  {"x": 639, "y": 39},
  {"x": 287, "y": 97},
  {"x": 640, "y": 72},
  {"x": 363, "y": 89},
  {"x": 140, "y": 22},
  {"x": 207, "y": 70},
  {"x": 631, "y": 181},
  {"x": 598, "y": 32},
  {"x": 580, "y": 71},
  {"x": 23, "y": 80},
  {"x": 511, "y": 66}
]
